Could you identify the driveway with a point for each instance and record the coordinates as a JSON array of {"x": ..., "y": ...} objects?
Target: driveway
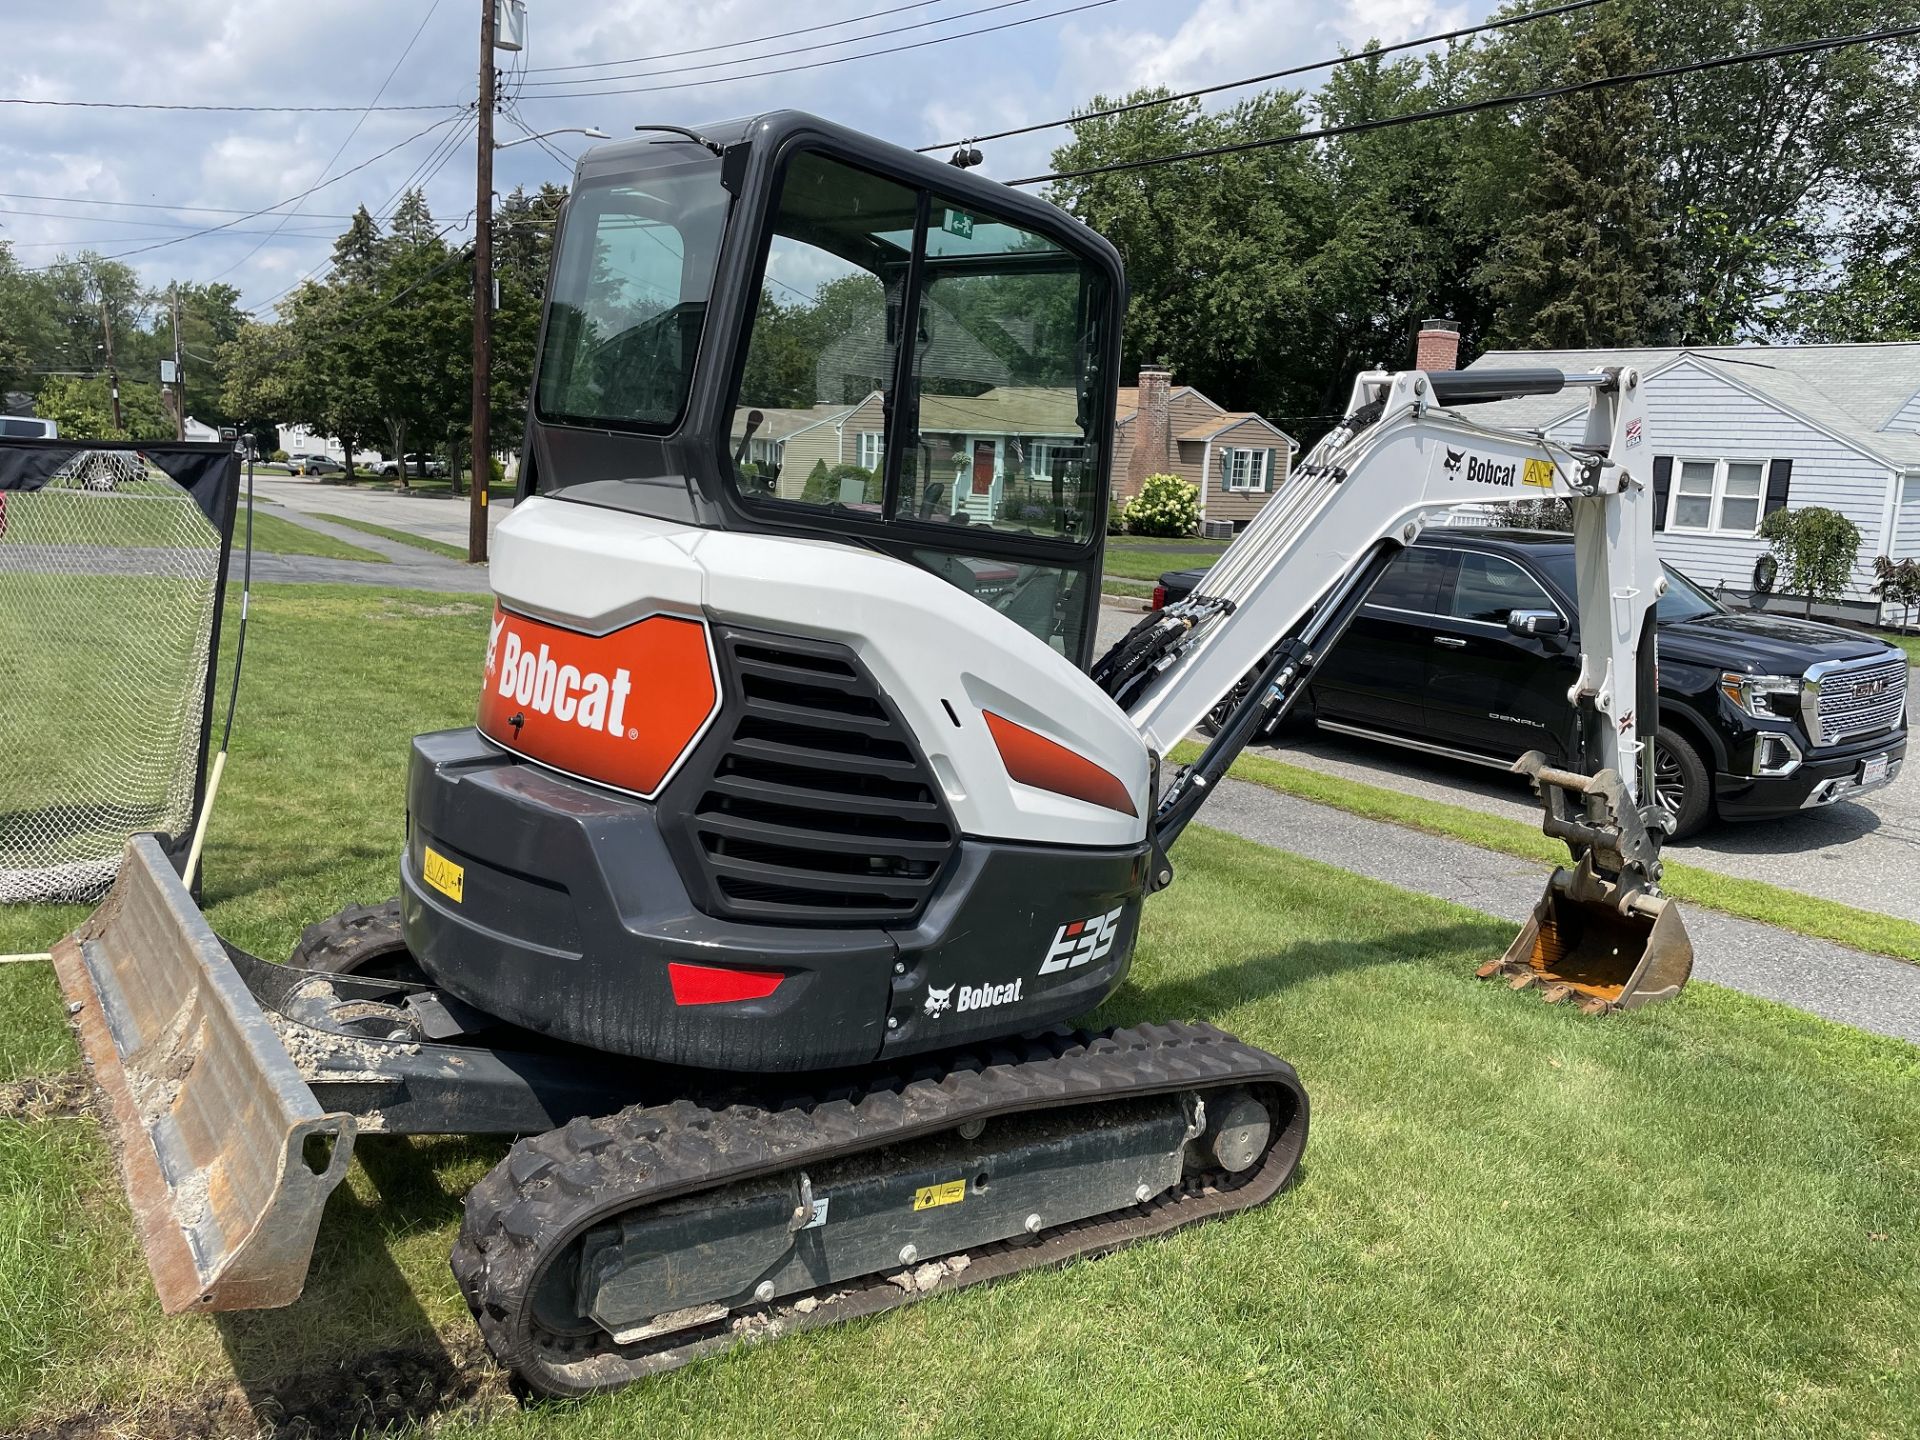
[{"x": 1865, "y": 854}]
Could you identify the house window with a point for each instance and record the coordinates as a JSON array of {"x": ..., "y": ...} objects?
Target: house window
[
  {"x": 1246, "y": 469},
  {"x": 867, "y": 449},
  {"x": 1723, "y": 496}
]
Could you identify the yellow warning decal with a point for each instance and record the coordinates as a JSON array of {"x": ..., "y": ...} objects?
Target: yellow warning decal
[
  {"x": 1539, "y": 474},
  {"x": 948, "y": 1192},
  {"x": 445, "y": 876}
]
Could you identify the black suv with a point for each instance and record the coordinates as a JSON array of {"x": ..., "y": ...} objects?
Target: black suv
[{"x": 1467, "y": 648}]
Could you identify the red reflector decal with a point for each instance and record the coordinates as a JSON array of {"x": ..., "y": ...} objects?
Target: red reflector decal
[
  {"x": 1159, "y": 598},
  {"x": 715, "y": 985},
  {"x": 619, "y": 708},
  {"x": 1037, "y": 761}
]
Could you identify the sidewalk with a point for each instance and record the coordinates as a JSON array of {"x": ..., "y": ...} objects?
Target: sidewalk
[
  {"x": 408, "y": 567},
  {"x": 1871, "y": 992}
]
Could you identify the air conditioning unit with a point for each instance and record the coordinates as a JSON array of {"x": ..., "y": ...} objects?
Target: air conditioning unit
[{"x": 1216, "y": 529}]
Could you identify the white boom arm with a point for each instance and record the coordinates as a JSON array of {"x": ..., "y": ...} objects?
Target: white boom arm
[{"x": 1398, "y": 455}]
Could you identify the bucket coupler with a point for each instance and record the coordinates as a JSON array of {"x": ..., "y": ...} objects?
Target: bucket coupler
[
  {"x": 233, "y": 1088},
  {"x": 1601, "y": 932}
]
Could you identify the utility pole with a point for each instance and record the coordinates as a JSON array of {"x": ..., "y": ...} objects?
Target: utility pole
[
  {"x": 179, "y": 375},
  {"x": 113, "y": 375},
  {"x": 482, "y": 446}
]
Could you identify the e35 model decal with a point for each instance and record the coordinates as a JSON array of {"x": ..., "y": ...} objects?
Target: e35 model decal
[{"x": 1076, "y": 943}]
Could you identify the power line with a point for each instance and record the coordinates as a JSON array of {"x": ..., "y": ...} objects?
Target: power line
[
  {"x": 781, "y": 54},
  {"x": 227, "y": 109},
  {"x": 111, "y": 220},
  {"x": 1470, "y": 107},
  {"x": 268, "y": 209},
  {"x": 340, "y": 149},
  {"x": 1370, "y": 52},
  {"x": 833, "y": 60},
  {"x": 149, "y": 205},
  {"x": 730, "y": 44}
]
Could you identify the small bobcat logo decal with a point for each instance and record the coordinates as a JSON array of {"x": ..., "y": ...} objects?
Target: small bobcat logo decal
[
  {"x": 938, "y": 1000},
  {"x": 1454, "y": 458}
]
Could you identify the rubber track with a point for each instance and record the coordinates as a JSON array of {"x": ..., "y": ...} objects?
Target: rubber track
[
  {"x": 551, "y": 1189},
  {"x": 341, "y": 943}
]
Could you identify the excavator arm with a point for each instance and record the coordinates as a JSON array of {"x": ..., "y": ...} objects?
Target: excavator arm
[{"x": 1279, "y": 598}]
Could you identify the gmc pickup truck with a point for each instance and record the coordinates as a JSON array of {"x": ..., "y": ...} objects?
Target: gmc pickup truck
[{"x": 1466, "y": 649}]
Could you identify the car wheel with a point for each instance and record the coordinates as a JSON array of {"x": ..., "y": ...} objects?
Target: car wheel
[{"x": 1681, "y": 785}]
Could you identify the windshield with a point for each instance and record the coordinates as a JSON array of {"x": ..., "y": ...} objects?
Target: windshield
[
  {"x": 1684, "y": 600},
  {"x": 629, "y": 295},
  {"x": 998, "y": 429}
]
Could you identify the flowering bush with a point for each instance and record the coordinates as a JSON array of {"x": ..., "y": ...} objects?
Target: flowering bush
[{"x": 1166, "y": 505}]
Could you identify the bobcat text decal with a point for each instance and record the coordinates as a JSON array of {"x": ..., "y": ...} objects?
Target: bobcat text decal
[
  {"x": 620, "y": 708},
  {"x": 1079, "y": 941}
]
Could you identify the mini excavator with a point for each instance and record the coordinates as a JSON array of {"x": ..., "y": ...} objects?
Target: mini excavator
[{"x": 798, "y": 816}]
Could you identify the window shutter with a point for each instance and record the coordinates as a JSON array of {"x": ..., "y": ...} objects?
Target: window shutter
[
  {"x": 1779, "y": 480},
  {"x": 1662, "y": 482},
  {"x": 1266, "y": 475}
]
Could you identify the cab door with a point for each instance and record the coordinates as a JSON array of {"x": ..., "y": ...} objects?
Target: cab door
[
  {"x": 1377, "y": 676},
  {"x": 1492, "y": 691}
]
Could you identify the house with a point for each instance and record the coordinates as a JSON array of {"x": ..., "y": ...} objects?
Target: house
[
  {"x": 1234, "y": 458},
  {"x": 1012, "y": 436},
  {"x": 1740, "y": 431}
]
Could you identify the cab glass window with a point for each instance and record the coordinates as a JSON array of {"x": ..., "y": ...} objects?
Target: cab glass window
[
  {"x": 810, "y": 421},
  {"x": 1489, "y": 588},
  {"x": 1048, "y": 601},
  {"x": 1005, "y": 359},
  {"x": 630, "y": 294}
]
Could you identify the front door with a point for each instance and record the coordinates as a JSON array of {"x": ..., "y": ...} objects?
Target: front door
[
  {"x": 983, "y": 452},
  {"x": 1488, "y": 689}
]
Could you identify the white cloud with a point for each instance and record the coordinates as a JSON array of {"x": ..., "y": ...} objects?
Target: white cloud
[{"x": 337, "y": 52}]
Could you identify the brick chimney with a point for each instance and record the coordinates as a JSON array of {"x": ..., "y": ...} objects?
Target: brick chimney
[
  {"x": 1152, "y": 429},
  {"x": 1438, "y": 347}
]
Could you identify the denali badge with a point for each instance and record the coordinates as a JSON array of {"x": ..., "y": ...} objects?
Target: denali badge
[{"x": 1076, "y": 943}]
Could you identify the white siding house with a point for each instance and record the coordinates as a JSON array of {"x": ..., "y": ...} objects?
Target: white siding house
[{"x": 1737, "y": 432}]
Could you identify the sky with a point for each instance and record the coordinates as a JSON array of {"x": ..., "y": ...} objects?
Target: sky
[{"x": 59, "y": 164}]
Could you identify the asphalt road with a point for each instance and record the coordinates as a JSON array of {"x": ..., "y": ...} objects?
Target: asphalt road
[
  {"x": 1864, "y": 853},
  {"x": 440, "y": 517}
]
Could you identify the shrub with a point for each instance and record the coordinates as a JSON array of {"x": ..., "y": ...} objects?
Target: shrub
[
  {"x": 279, "y": 457},
  {"x": 1898, "y": 584},
  {"x": 1816, "y": 548},
  {"x": 1166, "y": 506},
  {"x": 823, "y": 485}
]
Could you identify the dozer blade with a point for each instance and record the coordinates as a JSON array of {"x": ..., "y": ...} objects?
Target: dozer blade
[
  {"x": 226, "y": 1157},
  {"x": 1614, "y": 950}
]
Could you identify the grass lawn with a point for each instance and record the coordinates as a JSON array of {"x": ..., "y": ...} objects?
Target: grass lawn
[
  {"x": 1700, "y": 1219},
  {"x": 1132, "y": 557},
  {"x": 276, "y": 534},
  {"x": 1755, "y": 899},
  {"x": 405, "y": 537},
  {"x": 1908, "y": 643}
]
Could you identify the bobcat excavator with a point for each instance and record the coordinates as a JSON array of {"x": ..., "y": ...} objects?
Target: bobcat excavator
[{"x": 795, "y": 821}]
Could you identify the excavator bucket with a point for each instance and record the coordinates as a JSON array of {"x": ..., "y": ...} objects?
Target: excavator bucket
[
  {"x": 226, "y": 1156},
  {"x": 1599, "y": 934}
]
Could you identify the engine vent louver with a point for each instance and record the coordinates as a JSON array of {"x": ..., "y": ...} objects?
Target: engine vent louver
[{"x": 810, "y": 801}]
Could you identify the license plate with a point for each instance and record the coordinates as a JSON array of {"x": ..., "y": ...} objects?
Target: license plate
[{"x": 1874, "y": 772}]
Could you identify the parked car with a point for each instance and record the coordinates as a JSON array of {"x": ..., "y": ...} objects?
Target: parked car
[
  {"x": 1469, "y": 642},
  {"x": 417, "y": 464},
  {"x": 28, "y": 427},
  {"x": 313, "y": 465}
]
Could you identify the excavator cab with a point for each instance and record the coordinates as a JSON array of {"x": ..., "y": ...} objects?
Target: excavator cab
[{"x": 784, "y": 327}]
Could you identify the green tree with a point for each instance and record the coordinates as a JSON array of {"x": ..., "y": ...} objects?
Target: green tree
[
  {"x": 83, "y": 409},
  {"x": 1583, "y": 269},
  {"x": 1817, "y": 548}
]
